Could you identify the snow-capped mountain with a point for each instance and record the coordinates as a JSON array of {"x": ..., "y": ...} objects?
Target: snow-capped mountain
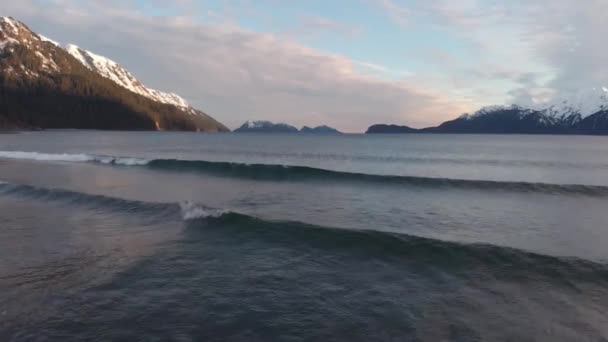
[
  {"x": 585, "y": 113},
  {"x": 90, "y": 82},
  {"x": 572, "y": 115},
  {"x": 99, "y": 64},
  {"x": 584, "y": 102},
  {"x": 112, "y": 70}
]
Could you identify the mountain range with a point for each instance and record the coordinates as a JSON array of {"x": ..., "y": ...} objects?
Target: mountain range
[
  {"x": 46, "y": 85},
  {"x": 271, "y": 127},
  {"x": 587, "y": 114}
]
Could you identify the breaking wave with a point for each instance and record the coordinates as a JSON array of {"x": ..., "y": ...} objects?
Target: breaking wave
[
  {"x": 72, "y": 157},
  {"x": 452, "y": 256},
  {"x": 187, "y": 210},
  {"x": 274, "y": 172}
]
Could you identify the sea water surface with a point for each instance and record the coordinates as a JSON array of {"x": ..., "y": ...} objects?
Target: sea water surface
[{"x": 260, "y": 237}]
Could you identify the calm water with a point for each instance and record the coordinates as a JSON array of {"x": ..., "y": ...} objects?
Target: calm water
[{"x": 187, "y": 237}]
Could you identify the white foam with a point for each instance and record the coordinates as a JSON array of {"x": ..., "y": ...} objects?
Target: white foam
[
  {"x": 46, "y": 156},
  {"x": 193, "y": 211},
  {"x": 122, "y": 161},
  {"x": 67, "y": 157}
]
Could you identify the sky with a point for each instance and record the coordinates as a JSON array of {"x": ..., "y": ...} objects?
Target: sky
[{"x": 344, "y": 63}]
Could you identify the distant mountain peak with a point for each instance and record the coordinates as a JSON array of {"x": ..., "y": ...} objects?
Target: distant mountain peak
[
  {"x": 265, "y": 126},
  {"x": 392, "y": 129},
  {"x": 257, "y": 123},
  {"x": 323, "y": 129}
]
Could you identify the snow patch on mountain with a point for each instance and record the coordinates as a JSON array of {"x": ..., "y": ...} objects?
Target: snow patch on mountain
[
  {"x": 47, "y": 63},
  {"x": 257, "y": 124},
  {"x": 584, "y": 102},
  {"x": 11, "y": 32},
  {"x": 49, "y": 40},
  {"x": 521, "y": 112},
  {"x": 7, "y": 41},
  {"x": 113, "y": 71},
  {"x": 265, "y": 126},
  {"x": 563, "y": 112},
  {"x": 8, "y": 28},
  {"x": 10, "y": 22}
]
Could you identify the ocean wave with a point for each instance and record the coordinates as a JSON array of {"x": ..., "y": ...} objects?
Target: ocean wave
[
  {"x": 275, "y": 172},
  {"x": 126, "y": 161},
  {"x": 434, "y": 159},
  {"x": 186, "y": 210},
  {"x": 480, "y": 258},
  {"x": 72, "y": 157},
  {"x": 504, "y": 261},
  {"x": 193, "y": 211},
  {"x": 85, "y": 200},
  {"x": 68, "y": 157}
]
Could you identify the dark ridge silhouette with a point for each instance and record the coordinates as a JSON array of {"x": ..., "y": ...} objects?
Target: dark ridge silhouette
[{"x": 381, "y": 128}]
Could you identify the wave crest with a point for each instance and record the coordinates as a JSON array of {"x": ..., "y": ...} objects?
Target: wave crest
[
  {"x": 126, "y": 161},
  {"x": 67, "y": 157},
  {"x": 71, "y": 157},
  {"x": 276, "y": 172},
  {"x": 502, "y": 261},
  {"x": 194, "y": 211}
]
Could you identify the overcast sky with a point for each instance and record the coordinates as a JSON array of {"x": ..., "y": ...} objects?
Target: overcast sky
[{"x": 345, "y": 63}]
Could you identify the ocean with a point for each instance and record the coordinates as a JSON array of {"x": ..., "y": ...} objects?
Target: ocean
[{"x": 158, "y": 236}]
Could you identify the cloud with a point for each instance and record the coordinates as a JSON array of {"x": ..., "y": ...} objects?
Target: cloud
[
  {"x": 474, "y": 53},
  {"x": 235, "y": 74},
  {"x": 542, "y": 51},
  {"x": 381, "y": 70},
  {"x": 573, "y": 41},
  {"x": 312, "y": 26},
  {"x": 396, "y": 12}
]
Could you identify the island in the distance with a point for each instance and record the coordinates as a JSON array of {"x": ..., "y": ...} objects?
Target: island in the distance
[
  {"x": 382, "y": 128},
  {"x": 271, "y": 127}
]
